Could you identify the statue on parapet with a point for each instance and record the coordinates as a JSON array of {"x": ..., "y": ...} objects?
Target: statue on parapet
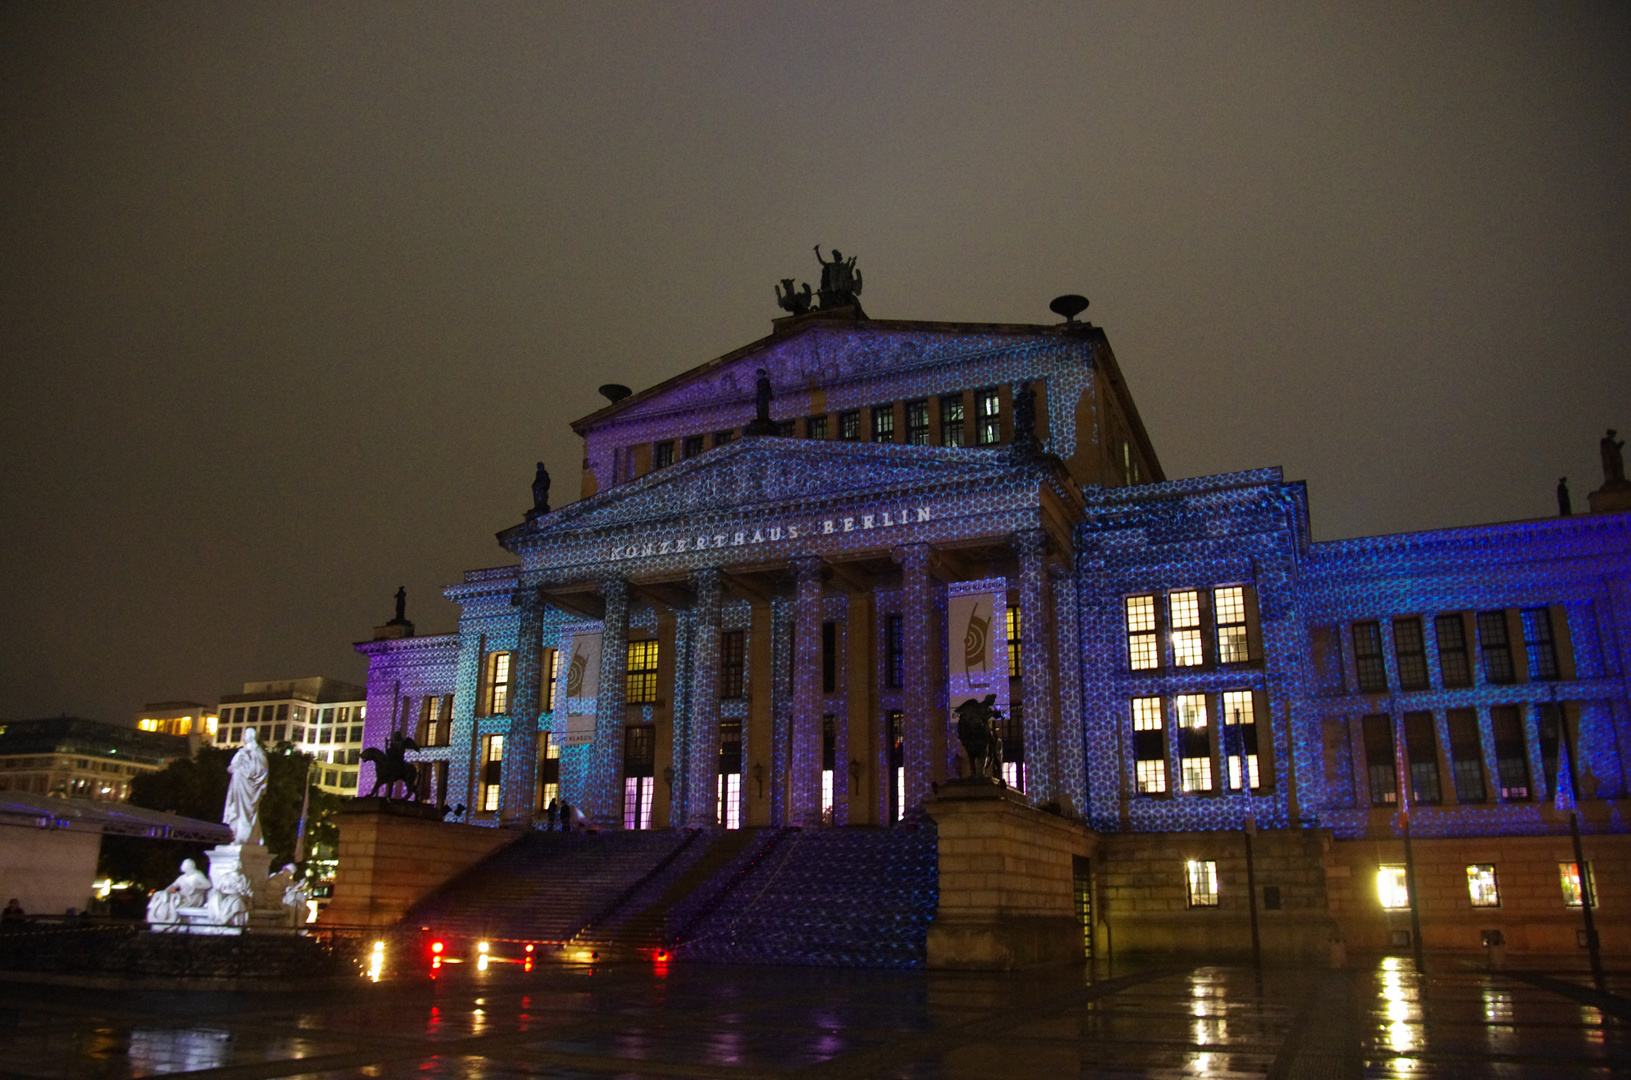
[
  {"x": 540, "y": 491},
  {"x": 840, "y": 281},
  {"x": 977, "y": 730},
  {"x": 1613, "y": 452},
  {"x": 761, "y": 424},
  {"x": 794, "y": 303}
]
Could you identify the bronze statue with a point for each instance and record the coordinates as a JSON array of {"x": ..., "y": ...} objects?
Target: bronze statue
[
  {"x": 840, "y": 281},
  {"x": 790, "y": 301},
  {"x": 1565, "y": 505},
  {"x": 1613, "y": 460},
  {"x": 540, "y": 490},
  {"x": 391, "y": 766},
  {"x": 401, "y": 604},
  {"x": 761, "y": 423},
  {"x": 977, "y": 730},
  {"x": 1025, "y": 444}
]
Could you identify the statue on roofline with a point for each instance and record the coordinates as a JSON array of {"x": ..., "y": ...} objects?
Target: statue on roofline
[{"x": 1613, "y": 452}]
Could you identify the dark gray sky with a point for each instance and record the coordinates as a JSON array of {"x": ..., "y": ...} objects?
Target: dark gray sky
[{"x": 293, "y": 296}]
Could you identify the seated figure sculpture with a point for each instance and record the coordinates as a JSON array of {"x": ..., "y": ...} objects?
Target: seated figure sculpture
[{"x": 189, "y": 890}]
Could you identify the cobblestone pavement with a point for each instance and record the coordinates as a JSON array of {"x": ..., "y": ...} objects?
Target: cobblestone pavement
[{"x": 644, "y": 1021}]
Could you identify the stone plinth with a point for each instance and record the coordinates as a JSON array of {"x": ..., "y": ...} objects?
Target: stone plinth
[
  {"x": 1610, "y": 498},
  {"x": 1007, "y": 897},
  {"x": 394, "y": 854}
]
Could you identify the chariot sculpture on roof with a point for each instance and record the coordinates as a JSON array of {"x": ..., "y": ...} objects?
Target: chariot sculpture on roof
[{"x": 840, "y": 287}]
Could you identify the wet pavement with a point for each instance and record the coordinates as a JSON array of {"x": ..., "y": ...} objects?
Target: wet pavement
[{"x": 651, "y": 1020}]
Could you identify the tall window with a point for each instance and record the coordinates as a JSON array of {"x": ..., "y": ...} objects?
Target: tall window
[
  {"x": 894, "y": 669},
  {"x": 1013, "y": 642},
  {"x": 1511, "y": 751},
  {"x": 1549, "y": 722},
  {"x": 1149, "y": 746},
  {"x": 829, "y": 760},
  {"x": 1202, "y": 876},
  {"x": 951, "y": 420},
  {"x": 1421, "y": 752},
  {"x": 1573, "y": 895},
  {"x": 917, "y": 423},
  {"x": 1185, "y": 610},
  {"x": 1466, "y": 756},
  {"x": 693, "y": 445},
  {"x": 1453, "y": 664},
  {"x": 1410, "y": 653},
  {"x": 1482, "y": 890},
  {"x": 1194, "y": 742},
  {"x": 988, "y": 415},
  {"x": 663, "y": 453},
  {"x": 1494, "y": 643},
  {"x": 732, "y": 663},
  {"x": 1143, "y": 648},
  {"x": 897, "y": 764},
  {"x": 1013, "y": 746},
  {"x": 1229, "y": 610},
  {"x": 1392, "y": 887},
  {"x": 787, "y": 429},
  {"x": 498, "y": 684},
  {"x": 639, "y": 766},
  {"x": 1380, "y": 767},
  {"x": 883, "y": 423},
  {"x": 829, "y": 657},
  {"x": 1240, "y": 738},
  {"x": 549, "y": 772},
  {"x": 815, "y": 427},
  {"x": 1538, "y": 643},
  {"x": 1368, "y": 661},
  {"x": 491, "y": 771},
  {"x": 849, "y": 425},
  {"x": 730, "y": 773},
  {"x": 642, "y": 673}
]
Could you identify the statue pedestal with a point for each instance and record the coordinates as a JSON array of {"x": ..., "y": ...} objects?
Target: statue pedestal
[
  {"x": 1610, "y": 498},
  {"x": 1007, "y": 880}
]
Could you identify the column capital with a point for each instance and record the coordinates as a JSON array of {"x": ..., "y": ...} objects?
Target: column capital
[
  {"x": 806, "y": 566},
  {"x": 912, "y": 556},
  {"x": 614, "y": 588},
  {"x": 708, "y": 585},
  {"x": 527, "y": 598},
  {"x": 1031, "y": 542}
]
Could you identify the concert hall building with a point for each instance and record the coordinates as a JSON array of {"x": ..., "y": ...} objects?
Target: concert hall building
[{"x": 738, "y": 629}]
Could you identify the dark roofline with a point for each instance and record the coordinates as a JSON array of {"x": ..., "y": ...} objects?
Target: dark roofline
[{"x": 786, "y": 329}]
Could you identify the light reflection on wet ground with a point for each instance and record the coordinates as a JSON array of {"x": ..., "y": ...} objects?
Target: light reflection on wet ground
[{"x": 637, "y": 1022}]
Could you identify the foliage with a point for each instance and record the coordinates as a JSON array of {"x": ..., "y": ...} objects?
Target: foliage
[{"x": 196, "y": 787}]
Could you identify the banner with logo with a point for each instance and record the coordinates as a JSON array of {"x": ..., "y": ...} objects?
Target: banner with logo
[
  {"x": 583, "y": 667},
  {"x": 977, "y": 647},
  {"x": 580, "y": 730}
]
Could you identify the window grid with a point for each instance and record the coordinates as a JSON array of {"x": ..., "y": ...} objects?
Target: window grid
[
  {"x": 917, "y": 423},
  {"x": 951, "y": 420},
  {"x": 1202, "y": 876},
  {"x": 732, "y": 664},
  {"x": 1143, "y": 648},
  {"x": 1511, "y": 751},
  {"x": 1194, "y": 742},
  {"x": 1421, "y": 753},
  {"x": 1184, "y": 609},
  {"x": 663, "y": 454},
  {"x": 1539, "y": 644},
  {"x": 724, "y": 438},
  {"x": 1466, "y": 756},
  {"x": 1496, "y": 647},
  {"x": 1569, "y": 877},
  {"x": 1229, "y": 612},
  {"x": 641, "y": 682},
  {"x": 1453, "y": 666},
  {"x": 1368, "y": 663},
  {"x": 1014, "y": 646},
  {"x": 988, "y": 414},
  {"x": 693, "y": 445},
  {"x": 1410, "y": 653},
  {"x": 883, "y": 424},
  {"x": 1149, "y": 746},
  {"x": 491, "y": 773},
  {"x": 1240, "y": 737},
  {"x": 849, "y": 426},
  {"x": 498, "y": 683},
  {"x": 1380, "y": 767},
  {"x": 1482, "y": 889},
  {"x": 815, "y": 427}
]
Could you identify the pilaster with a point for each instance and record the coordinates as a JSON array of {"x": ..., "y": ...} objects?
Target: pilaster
[
  {"x": 519, "y": 778},
  {"x": 917, "y": 623},
  {"x": 698, "y": 779},
  {"x": 1036, "y": 665},
  {"x": 805, "y": 768},
  {"x": 605, "y": 781}
]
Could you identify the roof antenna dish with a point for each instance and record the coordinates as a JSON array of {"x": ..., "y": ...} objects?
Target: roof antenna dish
[
  {"x": 615, "y": 392},
  {"x": 1069, "y": 306}
]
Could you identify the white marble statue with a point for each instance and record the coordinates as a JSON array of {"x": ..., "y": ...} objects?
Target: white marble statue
[
  {"x": 188, "y": 890},
  {"x": 293, "y": 891},
  {"x": 229, "y": 899},
  {"x": 248, "y": 770}
]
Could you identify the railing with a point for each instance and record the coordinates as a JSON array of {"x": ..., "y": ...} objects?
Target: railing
[{"x": 629, "y": 893}]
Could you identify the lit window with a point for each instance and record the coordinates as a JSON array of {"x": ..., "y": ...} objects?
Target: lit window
[
  {"x": 917, "y": 423},
  {"x": 1194, "y": 742},
  {"x": 491, "y": 771},
  {"x": 1203, "y": 882},
  {"x": 498, "y": 683},
  {"x": 642, "y": 673},
  {"x": 730, "y": 800},
  {"x": 883, "y": 423},
  {"x": 1186, "y": 629},
  {"x": 951, "y": 420},
  {"x": 1569, "y": 873},
  {"x": 1481, "y": 888},
  {"x": 1368, "y": 661},
  {"x": 729, "y": 811},
  {"x": 1149, "y": 746},
  {"x": 1229, "y": 608},
  {"x": 639, "y": 761},
  {"x": 1013, "y": 642},
  {"x": 1143, "y": 651},
  {"x": 988, "y": 415},
  {"x": 1240, "y": 737},
  {"x": 1391, "y": 889}
]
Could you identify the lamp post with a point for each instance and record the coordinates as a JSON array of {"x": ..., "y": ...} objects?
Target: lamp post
[
  {"x": 1236, "y": 740},
  {"x": 305, "y": 804},
  {"x": 1588, "y": 896},
  {"x": 1401, "y": 765}
]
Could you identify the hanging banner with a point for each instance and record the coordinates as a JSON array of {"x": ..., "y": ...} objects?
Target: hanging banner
[
  {"x": 580, "y": 730},
  {"x": 977, "y": 649},
  {"x": 583, "y": 667}
]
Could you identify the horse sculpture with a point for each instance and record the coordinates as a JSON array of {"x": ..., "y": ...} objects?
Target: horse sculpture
[
  {"x": 391, "y": 765},
  {"x": 982, "y": 740}
]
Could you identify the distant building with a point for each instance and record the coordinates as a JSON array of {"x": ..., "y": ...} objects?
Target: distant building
[
  {"x": 81, "y": 759},
  {"x": 320, "y": 716},
  {"x": 191, "y": 718}
]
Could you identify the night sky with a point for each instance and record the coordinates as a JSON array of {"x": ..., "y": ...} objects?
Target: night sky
[{"x": 293, "y": 296}]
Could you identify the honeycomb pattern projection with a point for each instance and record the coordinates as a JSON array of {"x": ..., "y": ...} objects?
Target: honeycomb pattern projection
[
  {"x": 829, "y": 897},
  {"x": 854, "y": 368},
  {"x": 405, "y": 670},
  {"x": 1577, "y": 566}
]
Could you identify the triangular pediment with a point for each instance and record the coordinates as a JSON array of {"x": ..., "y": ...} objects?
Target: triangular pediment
[{"x": 761, "y": 473}]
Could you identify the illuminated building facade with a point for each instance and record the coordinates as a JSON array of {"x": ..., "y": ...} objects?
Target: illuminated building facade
[
  {"x": 81, "y": 759},
  {"x": 320, "y": 716},
  {"x": 745, "y": 628}
]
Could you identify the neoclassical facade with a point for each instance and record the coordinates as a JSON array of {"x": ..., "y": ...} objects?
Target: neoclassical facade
[{"x": 746, "y": 624}]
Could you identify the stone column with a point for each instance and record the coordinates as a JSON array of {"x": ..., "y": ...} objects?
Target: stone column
[
  {"x": 519, "y": 776},
  {"x": 699, "y": 771},
  {"x": 1072, "y": 750},
  {"x": 604, "y": 785},
  {"x": 804, "y": 788},
  {"x": 917, "y": 623},
  {"x": 1036, "y": 666}
]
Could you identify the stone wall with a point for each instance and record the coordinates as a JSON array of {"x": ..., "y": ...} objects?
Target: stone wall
[
  {"x": 391, "y": 857},
  {"x": 1006, "y": 881},
  {"x": 1144, "y": 906}
]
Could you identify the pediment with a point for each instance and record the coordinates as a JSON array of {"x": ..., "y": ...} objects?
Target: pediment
[{"x": 759, "y": 473}]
